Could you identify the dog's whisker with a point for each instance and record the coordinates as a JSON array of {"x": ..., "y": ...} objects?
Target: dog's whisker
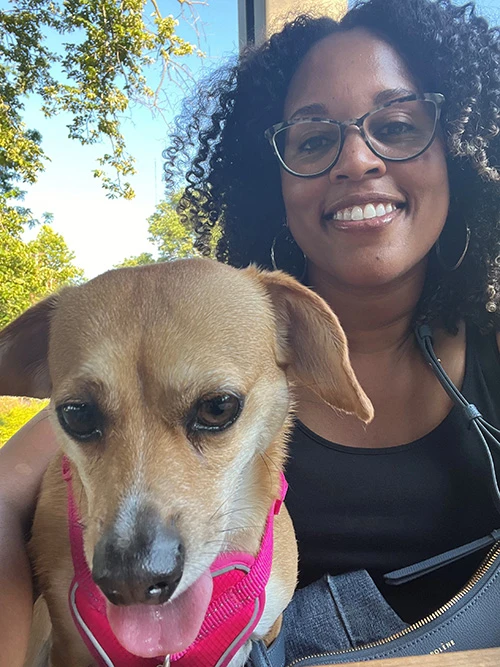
[
  {"x": 222, "y": 514},
  {"x": 268, "y": 459},
  {"x": 236, "y": 529},
  {"x": 215, "y": 514},
  {"x": 267, "y": 462},
  {"x": 235, "y": 510}
]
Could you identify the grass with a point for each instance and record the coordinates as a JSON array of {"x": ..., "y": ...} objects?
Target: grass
[{"x": 15, "y": 412}]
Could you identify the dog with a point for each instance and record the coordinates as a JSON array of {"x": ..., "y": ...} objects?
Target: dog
[{"x": 171, "y": 394}]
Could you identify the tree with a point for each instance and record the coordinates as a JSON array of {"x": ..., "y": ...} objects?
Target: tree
[
  {"x": 172, "y": 237},
  {"x": 97, "y": 70},
  {"x": 94, "y": 73},
  {"x": 16, "y": 264},
  {"x": 139, "y": 260},
  {"x": 31, "y": 270},
  {"x": 54, "y": 260}
]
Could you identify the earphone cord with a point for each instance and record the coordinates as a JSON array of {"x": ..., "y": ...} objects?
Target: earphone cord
[{"x": 488, "y": 436}]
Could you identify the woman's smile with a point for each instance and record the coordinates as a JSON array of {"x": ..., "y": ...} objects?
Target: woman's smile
[{"x": 367, "y": 212}]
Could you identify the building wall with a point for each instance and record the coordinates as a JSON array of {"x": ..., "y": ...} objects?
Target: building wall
[
  {"x": 279, "y": 11},
  {"x": 263, "y": 17}
]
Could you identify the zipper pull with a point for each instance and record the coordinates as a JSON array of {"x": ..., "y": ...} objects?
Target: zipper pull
[
  {"x": 166, "y": 662},
  {"x": 411, "y": 572}
]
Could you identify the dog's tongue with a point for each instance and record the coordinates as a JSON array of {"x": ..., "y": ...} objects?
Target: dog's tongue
[{"x": 159, "y": 630}]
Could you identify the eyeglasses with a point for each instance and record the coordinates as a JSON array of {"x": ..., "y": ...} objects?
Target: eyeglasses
[{"x": 400, "y": 130}]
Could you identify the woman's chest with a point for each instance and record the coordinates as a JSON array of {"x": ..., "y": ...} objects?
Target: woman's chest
[
  {"x": 407, "y": 398},
  {"x": 404, "y": 411},
  {"x": 356, "y": 508}
]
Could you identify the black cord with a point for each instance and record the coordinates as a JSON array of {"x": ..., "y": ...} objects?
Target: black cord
[{"x": 487, "y": 433}]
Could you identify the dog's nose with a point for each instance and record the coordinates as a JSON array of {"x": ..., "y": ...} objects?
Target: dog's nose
[{"x": 144, "y": 569}]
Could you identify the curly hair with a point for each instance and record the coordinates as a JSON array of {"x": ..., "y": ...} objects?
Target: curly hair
[{"x": 233, "y": 178}]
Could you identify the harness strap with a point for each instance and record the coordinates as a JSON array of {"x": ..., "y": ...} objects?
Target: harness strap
[{"x": 233, "y": 613}]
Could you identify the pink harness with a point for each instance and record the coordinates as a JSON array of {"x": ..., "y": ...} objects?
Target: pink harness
[{"x": 236, "y": 606}]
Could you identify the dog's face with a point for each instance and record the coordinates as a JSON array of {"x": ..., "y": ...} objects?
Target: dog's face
[{"x": 170, "y": 395}]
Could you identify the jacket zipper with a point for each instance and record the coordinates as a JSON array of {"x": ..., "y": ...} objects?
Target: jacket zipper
[{"x": 479, "y": 574}]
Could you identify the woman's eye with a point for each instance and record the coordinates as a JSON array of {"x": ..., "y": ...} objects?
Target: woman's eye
[
  {"x": 215, "y": 413},
  {"x": 81, "y": 421},
  {"x": 395, "y": 129},
  {"x": 314, "y": 144}
]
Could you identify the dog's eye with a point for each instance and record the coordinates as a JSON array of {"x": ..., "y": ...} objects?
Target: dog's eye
[
  {"x": 81, "y": 421},
  {"x": 215, "y": 413}
]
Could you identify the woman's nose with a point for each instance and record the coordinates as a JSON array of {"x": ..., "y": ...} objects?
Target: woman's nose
[{"x": 356, "y": 161}]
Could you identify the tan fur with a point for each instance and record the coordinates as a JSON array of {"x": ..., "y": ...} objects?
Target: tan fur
[
  {"x": 146, "y": 344},
  {"x": 39, "y": 642}
]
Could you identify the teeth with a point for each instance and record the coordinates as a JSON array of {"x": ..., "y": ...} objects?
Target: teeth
[
  {"x": 371, "y": 210},
  {"x": 357, "y": 213}
]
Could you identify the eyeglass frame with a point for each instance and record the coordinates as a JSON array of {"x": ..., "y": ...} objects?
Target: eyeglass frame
[{"x": 438, "y": 100}]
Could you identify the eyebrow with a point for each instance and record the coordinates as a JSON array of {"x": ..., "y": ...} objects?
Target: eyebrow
[
  {"x": 380, "y": 99},
  {"x": 391, "y": 94},
  {"x": 310, "y": 110}
]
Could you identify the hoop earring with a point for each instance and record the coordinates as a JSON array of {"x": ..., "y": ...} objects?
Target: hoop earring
[
  {"x": 292, "y": 247},
  {"x": 439, "y": 255}
]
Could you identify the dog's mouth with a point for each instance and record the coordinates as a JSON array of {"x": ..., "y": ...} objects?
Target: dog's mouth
[{"x": 151, "y": 631}]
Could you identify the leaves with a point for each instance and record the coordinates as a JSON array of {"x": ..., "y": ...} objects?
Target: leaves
[
  {"x": 95, "y": 73},
  {"x": 30, "y": 270},
  {"x": 140, "y": 260},
  {"x": 172, "y": 238}
]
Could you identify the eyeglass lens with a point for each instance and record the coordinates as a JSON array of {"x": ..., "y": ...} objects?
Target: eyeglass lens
[{"x": 397, "y": 132}]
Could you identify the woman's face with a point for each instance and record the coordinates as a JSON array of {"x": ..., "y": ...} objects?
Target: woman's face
[{"x": 341, "y": 76}]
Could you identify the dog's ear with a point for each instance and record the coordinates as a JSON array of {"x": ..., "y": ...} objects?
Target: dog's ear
[
  {"x": 24, "y": 347},
  {"x": 312, "y": 341}
]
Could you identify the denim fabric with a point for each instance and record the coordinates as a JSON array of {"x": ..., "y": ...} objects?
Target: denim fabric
[
  {"x": 337, "y": 613},
  {"x": 274, "y": 656},
  {"x": 332, "y": 614}
]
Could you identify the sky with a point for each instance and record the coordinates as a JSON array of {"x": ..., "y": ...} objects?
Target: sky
[{"x": 102, "y": 232}]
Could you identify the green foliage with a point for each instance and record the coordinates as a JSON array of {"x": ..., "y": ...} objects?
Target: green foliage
[
  {"x": 15, "y": 412},
  {"x": 172, "y": 237},
  {"x": 30, "y": 270},
  {"x": 140, "y": 260},
  {"x": 54, "y": 261},
  {"x": 95, "y": 72}
]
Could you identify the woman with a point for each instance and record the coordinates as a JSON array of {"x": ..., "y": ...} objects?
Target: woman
[
  {"x": 397, "y": 215},
  {"x": 366, "y": 203}
]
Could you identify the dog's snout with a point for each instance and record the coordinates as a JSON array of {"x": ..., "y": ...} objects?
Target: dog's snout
[{"x": 144, "y": 567}]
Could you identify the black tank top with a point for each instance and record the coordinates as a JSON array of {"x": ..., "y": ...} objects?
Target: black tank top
[{"x": 386, "y": 508}]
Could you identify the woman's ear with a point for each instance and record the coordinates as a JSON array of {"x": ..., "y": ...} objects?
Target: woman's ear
[
  {"x": 24, "y": 345},
  {"x": 312, "y": 342}
]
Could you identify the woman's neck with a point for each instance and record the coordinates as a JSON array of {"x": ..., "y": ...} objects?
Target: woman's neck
[{"x": 375, "y": 319}]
